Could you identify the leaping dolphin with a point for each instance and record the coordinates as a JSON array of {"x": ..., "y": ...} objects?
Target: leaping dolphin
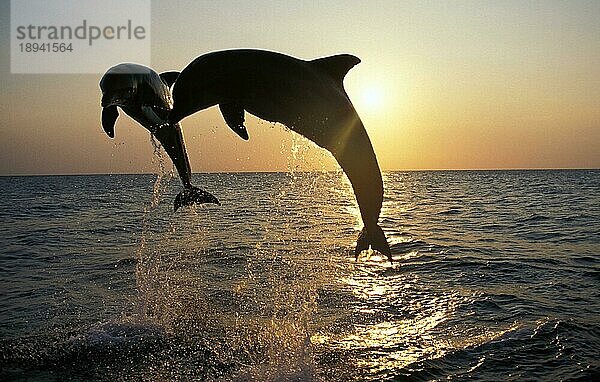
[
  {"x": 144, "y": 95},
  {"x": 307, "y": 97}
]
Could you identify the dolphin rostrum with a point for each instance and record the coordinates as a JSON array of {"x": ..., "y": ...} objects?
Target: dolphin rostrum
[
  {"x": 307, "y": 97},
  {"x": 144, "y": 95}
]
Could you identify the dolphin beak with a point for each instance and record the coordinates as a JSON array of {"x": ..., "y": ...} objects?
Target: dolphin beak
[{"x": 109, "y": 117}]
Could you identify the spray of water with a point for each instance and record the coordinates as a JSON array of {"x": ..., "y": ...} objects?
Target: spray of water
[
  {"x": 270, "y": 339},
  {"x": 149, "y": 261},
  {"x": 281, "y": 281}
]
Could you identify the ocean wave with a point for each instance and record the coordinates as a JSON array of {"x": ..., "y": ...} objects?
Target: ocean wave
[
  {"x": 543, "y": 352},
  {"x": 495, "y": 276}
]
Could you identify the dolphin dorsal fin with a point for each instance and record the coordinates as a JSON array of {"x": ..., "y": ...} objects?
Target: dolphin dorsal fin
[
  {"x": 336, "y": 66},
  {"x": 169, "y": 77}
]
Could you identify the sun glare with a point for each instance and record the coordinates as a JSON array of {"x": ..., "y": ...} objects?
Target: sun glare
[{"x": 372, "y": 97}]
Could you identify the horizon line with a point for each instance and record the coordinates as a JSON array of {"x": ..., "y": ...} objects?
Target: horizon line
[{"x": 316, "y": 171}]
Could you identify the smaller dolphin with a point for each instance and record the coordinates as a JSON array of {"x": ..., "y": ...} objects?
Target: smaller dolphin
[
  {"x": 306, "y": 96},
  {"x": 144, "y": 95}
]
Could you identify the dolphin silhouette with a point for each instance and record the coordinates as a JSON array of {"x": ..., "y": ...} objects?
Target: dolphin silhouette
[
  {"x": 307, "y": 97},
  {"x": 144, "y": 95}
]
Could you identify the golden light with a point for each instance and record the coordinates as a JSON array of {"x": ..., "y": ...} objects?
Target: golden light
[
  {"x": 372, "y": 97},
  {"x": 374, "y": 92}
]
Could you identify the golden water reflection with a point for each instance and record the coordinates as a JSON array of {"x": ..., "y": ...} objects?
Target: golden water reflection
[
  {"x": 397, "y": 343},
  {"x": 398, "y": 322}
]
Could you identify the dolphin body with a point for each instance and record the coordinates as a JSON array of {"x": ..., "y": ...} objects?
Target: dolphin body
[
  {"x": 307, "y": 97},
  {"x": 144, "y": 95}
]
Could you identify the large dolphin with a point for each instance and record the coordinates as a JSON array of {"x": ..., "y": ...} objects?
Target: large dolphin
[
  {"x": 144, "y": 95},
  {"x": 306, "y": 96}
]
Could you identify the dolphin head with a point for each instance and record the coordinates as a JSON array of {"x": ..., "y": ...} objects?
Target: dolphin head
[
  {"x": 118, "y": 97},
  {"x": 130, "y": 85},
  {"x": 119, "y": 87},
  {"x": 120, "y": 83}
]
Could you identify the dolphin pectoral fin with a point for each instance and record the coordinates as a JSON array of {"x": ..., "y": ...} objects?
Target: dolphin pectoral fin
[
  {"x": 233, "y": 114},
  {"x": 109, "y": 117},
  {"x": 169, "y": 77},
  {"x": 193, "y": 195},
  {"x": 241, "y": 131},
  {"x": 375, "y": 238}
]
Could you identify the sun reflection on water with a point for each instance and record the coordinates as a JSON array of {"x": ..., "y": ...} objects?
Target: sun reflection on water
[
  {"x": 382, "y": 338},
  {"x": 400, "y": 320}
]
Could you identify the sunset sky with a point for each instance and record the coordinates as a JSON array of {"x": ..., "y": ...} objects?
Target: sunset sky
[{"x": 441, "y": 85}]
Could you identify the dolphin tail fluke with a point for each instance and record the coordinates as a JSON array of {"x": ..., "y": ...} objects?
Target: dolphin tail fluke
[
  {"x": 374, "y": 238},
  {"x": 193, "y": 195}
]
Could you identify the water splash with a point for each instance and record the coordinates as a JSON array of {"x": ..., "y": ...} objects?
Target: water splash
[
  {"x": 268, "y": 336},
  {"x": 282, "y": 280},
  {"x": 149, "y": 261},
  {"x": 159, "y": 159}
]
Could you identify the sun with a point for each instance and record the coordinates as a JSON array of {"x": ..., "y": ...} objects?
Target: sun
[{"x": 372, "y": 98}]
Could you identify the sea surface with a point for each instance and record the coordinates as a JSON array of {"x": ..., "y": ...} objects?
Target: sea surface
[{"x": 496, "y": 276}]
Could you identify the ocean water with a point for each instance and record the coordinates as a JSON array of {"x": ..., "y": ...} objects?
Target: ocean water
[{"x": 496, "y": 277}]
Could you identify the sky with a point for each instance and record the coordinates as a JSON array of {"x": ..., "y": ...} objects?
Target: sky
[{"x": 441, "y": 85}]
